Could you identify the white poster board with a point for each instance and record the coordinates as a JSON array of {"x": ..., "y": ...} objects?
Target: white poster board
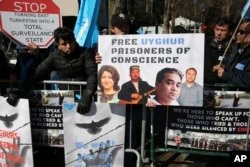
[
  {"x": 47, "y": 116},
  {"x": 15, "y": 134},
  {"x": 152, "y": 53},
  {"x": 95, "y": 138}
]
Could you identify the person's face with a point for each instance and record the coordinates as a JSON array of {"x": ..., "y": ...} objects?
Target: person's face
[
  {"x": 66, "y": 47},
  {"x": 190, "y": 76},
  {"x": 135, "y": 75},
  {"x": 120, "y": 29},
  {"x": 107, "y": 80},
  {"x": 221, "y": 32},
  {"x": 169, "y": 88},
  {"x": 242, "y": 38}
]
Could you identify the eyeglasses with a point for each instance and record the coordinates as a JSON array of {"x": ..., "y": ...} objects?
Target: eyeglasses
[{"x": 242, "y": 32}]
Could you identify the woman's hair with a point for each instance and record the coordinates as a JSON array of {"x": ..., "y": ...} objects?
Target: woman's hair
[{"x": 114, "y": 73}]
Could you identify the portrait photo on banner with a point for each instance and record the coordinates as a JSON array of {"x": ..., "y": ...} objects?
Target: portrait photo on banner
[{"x": 134, "y": 68}]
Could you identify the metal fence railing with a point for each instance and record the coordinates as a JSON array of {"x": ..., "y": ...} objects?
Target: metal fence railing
[{"x": 7, "y": 85}]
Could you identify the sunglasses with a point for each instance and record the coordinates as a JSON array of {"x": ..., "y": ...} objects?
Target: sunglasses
[{"x": 242, "y": 32}]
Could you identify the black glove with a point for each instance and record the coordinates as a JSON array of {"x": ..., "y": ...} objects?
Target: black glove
[
  {"x": 13, "y": 99},
  {"x": 84, "y": 104}
]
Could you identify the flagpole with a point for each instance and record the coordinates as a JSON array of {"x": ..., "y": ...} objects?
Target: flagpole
[
  {"x": 231, "y": 39},
  {"x": 245, "y": 9}
]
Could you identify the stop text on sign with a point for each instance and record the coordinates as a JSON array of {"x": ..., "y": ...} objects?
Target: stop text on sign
[
  {"x": 29, "y": 21},
  {"x": 29, "y": 7}
]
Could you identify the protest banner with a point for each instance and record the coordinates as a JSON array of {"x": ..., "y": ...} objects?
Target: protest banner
[
  {"x": 15, "y": 134},
  {"x": 201, "y": 128},
  {"x": 151, "y": 53},
  {"x": 95, "y": 138},
  {"x": 47, "y": 116}
]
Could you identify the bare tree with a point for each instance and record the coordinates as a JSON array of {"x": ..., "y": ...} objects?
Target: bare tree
[
  {"x": 166, "y": 17},
  {"x": 167, "y": 10},
  {"x": 226, "y": 7}
]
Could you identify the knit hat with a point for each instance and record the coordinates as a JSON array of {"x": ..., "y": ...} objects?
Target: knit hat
[{"x": 119, "y": 18}]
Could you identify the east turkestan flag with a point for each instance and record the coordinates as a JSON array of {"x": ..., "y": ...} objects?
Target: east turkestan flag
[
  {"x": 245, "y": 13},
  {"x": 86, "y": 29}
]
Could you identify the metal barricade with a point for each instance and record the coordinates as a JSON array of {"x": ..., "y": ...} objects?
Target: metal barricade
[
  {"x": 13, "y": 85},
  {"x": 183, "y": 150}
]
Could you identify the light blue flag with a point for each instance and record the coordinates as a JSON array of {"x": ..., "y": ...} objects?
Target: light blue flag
[
  {"x": 140, "y": 31},
  {"x": 92, "y": 37},
  {"x": 86, "y": 30},
  {"x": 245, "y": 13}
]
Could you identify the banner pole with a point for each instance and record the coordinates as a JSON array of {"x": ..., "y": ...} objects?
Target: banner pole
[
  {"x": 244, "y": 12},
  {"x": 248, "y": 128},
  {"x": 152, "y": 136}
]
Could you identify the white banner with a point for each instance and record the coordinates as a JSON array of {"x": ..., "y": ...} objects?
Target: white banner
[
  {"x": 47, "y": 117},
  {"x": 95, "y": 138},
  {"x": 15, "y": 135},
  {"x": 150, "y": 53}
]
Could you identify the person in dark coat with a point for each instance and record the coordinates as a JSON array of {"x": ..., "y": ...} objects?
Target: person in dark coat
[
  {"x": 72, "y": 62},
  {"x": 237, "y": 72},
  {"x": 236, "y": 100},
  {"x": 27, "y": 61},
  {"x": 215, "y": 47},
  {"x": 4, "y": 71}
]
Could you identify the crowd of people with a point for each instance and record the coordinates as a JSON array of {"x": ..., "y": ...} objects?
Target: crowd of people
[
  {"x": 236, "y": 71},
  {"x": 225, "y": 61}
]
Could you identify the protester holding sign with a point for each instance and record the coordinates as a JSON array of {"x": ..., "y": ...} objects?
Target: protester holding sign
[
  {"x": 237, "y": 72},
  {"x": 120, "y": 25},
  {"x": 72, "y": 62},
  {"x": 215, "y": 47}
]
